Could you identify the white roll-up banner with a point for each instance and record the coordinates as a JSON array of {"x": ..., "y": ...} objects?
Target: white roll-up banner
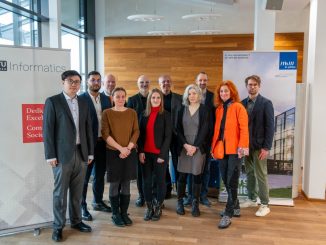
[
  {"x": 278, "y": 73},
  {"x": 28, "y": 76}
]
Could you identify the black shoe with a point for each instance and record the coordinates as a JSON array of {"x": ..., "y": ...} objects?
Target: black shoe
[
  {"x": 85, "y": 214},
  {"x": 195, "y": 212},
  {"x": 157, "y": 212},
  {"x": 149, "y": 211},
  {"x": 117, "y": 220},
  {"x": 140, "y": 202},
  {"x": 126, "y": 220},
  {"x": 180, "y": 208},
  {"x": 57, "y": 235},
  {"x": 82, "y": 227},
  {"x": 101, "y": 206}
]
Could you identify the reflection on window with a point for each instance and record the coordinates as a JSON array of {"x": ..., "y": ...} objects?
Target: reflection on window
[
  {"x": 17, "y": 30},
  {"x": 77, "y": 53},
  {"x": 72, "y": 14}
]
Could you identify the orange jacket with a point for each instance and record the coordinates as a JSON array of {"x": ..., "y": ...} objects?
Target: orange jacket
[{"x": 236, "y": 133}]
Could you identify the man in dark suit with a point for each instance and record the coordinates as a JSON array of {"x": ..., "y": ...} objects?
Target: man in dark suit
[
  {"x": 68, "y": 145},
  {"x": 97, "y": 103},
  {"x": 172, "y": 104},
  {"x": 208, "y": 100},
  {"x": 261, "y": 132},
  {"x": 138, "y": 103}
]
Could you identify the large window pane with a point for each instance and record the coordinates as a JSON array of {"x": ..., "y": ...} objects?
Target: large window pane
[
  {"x": 76, "y": 45},
  {"x": 17, "y": 30},
  {"x": 72, "y": 14}
]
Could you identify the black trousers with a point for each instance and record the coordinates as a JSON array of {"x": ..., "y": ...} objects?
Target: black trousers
[
  {"x": 230, "y": 168},
  {"x": 99, "y": 167},
  {"x": 151, "y": 168}
]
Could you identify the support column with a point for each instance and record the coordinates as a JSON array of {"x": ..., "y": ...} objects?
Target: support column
[
  {"x": 314, "y": 175},
  {"x": 264, "y": 34},
  {"x": 55, "y": 24}
]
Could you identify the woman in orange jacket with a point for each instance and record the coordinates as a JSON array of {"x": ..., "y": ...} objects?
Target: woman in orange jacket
[{"x": 230, "y": 143}]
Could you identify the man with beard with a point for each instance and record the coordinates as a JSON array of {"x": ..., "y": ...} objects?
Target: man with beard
[
  {"x": 208, "y": 100},
  {"x": 138, "y": 103},
  {"x": 261, "y": 131},
  {"x": 172, "y": 103},
  {"x": 97, "y": 103}
]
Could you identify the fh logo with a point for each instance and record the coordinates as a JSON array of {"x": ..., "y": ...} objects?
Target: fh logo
[{"x": 3, "y": 65}]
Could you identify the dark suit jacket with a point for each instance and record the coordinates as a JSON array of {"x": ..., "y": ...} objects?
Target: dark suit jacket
[
  {"x": 135, "y": 102},
  {"x": 59, "y": 131},
  {"x": 261, "y": 123},
  {"x": 162, "y": 133},
  {"x": 202, "y": 139},
  {"x": 105, "y": 104},
  {"x": 209, "y": 102},
  {"x": 176, "y": 103}
]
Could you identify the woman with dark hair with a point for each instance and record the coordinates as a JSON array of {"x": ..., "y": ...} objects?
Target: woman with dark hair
[
  {"x": 192, "y": 131},
  {"x": 154, "y": 143},
  {"x": 120, "y": 131},
  {"x": 230, "y": 143}
]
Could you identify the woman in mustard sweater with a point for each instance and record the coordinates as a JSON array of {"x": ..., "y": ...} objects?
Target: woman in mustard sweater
[
  {"x": 120, "y": 131},
  {"x": 230, "y": 143}
]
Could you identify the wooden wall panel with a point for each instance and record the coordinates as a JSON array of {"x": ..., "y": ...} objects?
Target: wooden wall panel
[{"x": 182, "y": 57}]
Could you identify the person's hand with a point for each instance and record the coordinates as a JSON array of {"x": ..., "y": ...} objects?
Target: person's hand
[
  {"x": 89, "y": 161},
  {"x": 122, "y": 156},
  {"x": 53, "y": 163},
  {"x": 160, "y": 160},
  {"x": 263, "y": 154},
  {"x": 243, "y": 152},
  {"x": 125, "y": 151},
  {"x": 142, "y": 157}
]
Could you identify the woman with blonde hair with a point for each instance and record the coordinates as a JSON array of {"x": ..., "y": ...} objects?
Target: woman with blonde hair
[
  {"x": 230, "y": 143},
  {"x": 192, "y": 131},
  {"x": 154, "y": 143}
]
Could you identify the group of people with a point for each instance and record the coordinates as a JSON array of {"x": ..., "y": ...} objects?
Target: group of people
[{"x": 103, "y": 133}]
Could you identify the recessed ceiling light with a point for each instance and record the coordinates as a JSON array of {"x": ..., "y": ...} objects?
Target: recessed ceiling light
[
  {"x": 201, "y": 17},
  {"x": 145, "y": 17},
  {"x": 206, "y": 32},
  {"x": 162, "y": 33}
]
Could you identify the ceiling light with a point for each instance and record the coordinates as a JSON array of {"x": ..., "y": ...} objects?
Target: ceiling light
[
  {"x": 162, "y": 33},
  {"x": 145, "y": 17},
  {"x": 201, "y": 17},
  {"x": 206, "y": 32}
]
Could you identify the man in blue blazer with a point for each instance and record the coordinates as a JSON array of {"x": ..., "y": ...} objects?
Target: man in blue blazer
[
  {"x": 97, "y": 103},
  {"x": 261, "y": 131},
  {"x": 68, "y": 145}
]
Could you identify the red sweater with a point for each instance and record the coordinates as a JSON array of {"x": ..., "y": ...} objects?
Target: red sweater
[{"x": 149, "y": 139}]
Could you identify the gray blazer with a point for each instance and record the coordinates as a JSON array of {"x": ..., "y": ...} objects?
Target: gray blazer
[{"x": 59, "y": 131}]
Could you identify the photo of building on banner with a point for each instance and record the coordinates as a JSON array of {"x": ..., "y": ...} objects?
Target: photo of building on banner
[{"x": 278, "y": 73}]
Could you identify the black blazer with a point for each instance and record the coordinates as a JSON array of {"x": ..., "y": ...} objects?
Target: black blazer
[
  {"x": 261, "y": 123},
  {"x": 59, "y": 131},
  {"x": 209, "y": 102},
  {"x": 135, "y": 102},
  {"x": 176, "y": 103},
  {"x": 202, "y": 139},
  {"x": 105, "y": 104},
  {"x": 162, "y": 133}
]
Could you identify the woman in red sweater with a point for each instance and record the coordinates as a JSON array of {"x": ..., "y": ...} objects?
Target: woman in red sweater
[
  {"x": 154, "y": 143},
  {"x": 231, "y": 129}
]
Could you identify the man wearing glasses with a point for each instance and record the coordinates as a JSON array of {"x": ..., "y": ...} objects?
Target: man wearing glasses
[
  {"x": 97, "y": 103},
  {"x": 138, "y": 103},
  {"x": 68, "y": 145},
  {"x": 261, "y": 131}
]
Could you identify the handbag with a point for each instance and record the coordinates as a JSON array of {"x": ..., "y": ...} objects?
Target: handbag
[{"x": 218, "y": 151}]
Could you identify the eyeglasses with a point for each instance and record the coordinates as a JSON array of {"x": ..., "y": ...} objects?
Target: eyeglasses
[
  {"x": 71, "y": 82},
  {"x": 144, "y": 82}
]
